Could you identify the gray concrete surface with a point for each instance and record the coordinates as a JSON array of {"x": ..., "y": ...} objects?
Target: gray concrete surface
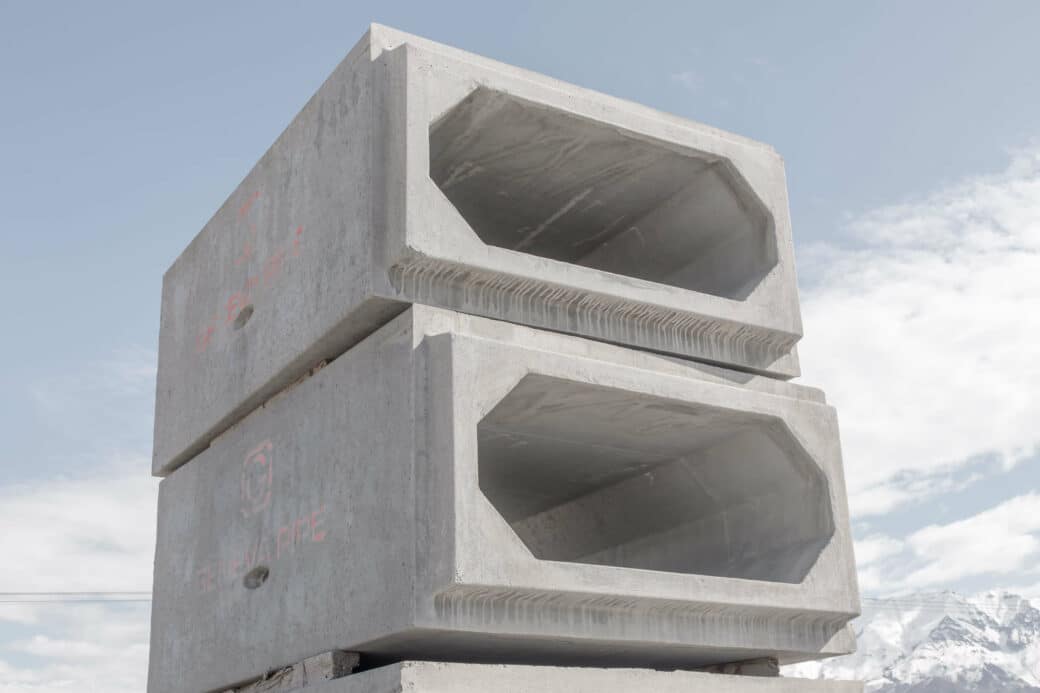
[
  {"x": 458, "y": 488},
  {"x": 432, "y": 677},
  {"x": 420, "y": 173}
]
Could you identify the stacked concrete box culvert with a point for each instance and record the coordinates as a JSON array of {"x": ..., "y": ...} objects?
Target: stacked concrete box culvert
[
  {"x": 477, "y": 367},
  {"x": 422, "y": 174},
  {"x": 457, "y": 488}
]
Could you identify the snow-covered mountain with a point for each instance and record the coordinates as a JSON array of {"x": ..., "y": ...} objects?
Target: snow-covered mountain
[{"x": 941, "y": 642}]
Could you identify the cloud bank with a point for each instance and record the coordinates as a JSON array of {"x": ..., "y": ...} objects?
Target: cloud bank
[
  {"x": 95, "y": 534},
  {"x": 923, "y": 327},
  {"x": 92, "y": 529},
  {"x": 1002, "y": 543}
]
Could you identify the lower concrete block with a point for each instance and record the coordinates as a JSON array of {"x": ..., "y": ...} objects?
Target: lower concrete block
[
  {"x": 431, "y": 677},
  {"x": 455, "y": 488}
]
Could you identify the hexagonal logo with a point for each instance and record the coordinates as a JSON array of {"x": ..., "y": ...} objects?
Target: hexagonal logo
[{"x": 257, "y": 478}]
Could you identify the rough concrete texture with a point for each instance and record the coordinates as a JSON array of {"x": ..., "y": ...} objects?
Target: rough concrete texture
[
  {"x": 458, "y": 488},
  {"x": 434, "y": 677},
  {"x": 324, "y": 667},
  {"x": 419, "y": 173}
]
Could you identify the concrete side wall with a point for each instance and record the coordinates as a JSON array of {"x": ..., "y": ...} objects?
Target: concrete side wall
[
  {"x": 314, "y": 491},
  {"x": 438, "y": 321},
  {"x": 429, "y": 677},
  {"x": 262, "y": 293}
]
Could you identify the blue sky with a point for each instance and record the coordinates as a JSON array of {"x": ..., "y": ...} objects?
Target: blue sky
[{"x": 910, "y": 132}]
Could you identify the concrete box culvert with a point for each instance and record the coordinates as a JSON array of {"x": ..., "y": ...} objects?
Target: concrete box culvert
[
  {"x": 422, "y": 174},
  {"x": 389, "y": 504}
]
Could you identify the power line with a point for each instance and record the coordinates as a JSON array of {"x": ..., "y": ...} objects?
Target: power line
[
  {"x": 933, "y": 604},
  {"x": 73, "y": 601},
  {"x": 34, "y": 594},
  {"x": 100, "y": 597}
]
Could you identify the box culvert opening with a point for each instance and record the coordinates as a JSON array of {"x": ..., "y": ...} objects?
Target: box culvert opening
[
  {"x": 536, "y": 180},
  {"x": 596, "y": 475}
]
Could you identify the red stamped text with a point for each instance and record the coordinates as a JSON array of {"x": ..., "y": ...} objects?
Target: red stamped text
[{"x": 260, "y": 274}]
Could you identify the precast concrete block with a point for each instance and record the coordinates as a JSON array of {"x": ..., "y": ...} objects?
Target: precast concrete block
[
  {"x": 463, "y": 489},
  {"x": 440, "y": 677},
  {"x": 419, "y": 173}
]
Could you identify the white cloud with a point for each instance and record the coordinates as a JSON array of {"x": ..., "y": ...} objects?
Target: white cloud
[
  {"x": 90, "y": 530},
  {"x": 876, "y": 547},
  {"x": 1029, "y": 590},
  {"x": 1000, "y": 541},
  {"x": 764, "y": 64},
  {"x": 911, "y": 486},
  {"x": 101, "y": 408},
  {"x": 924, "y": 334},
  {"x": 26, "y": 614},
  {"x": 128, "y": 373},
  {"x": 91, "y": 647},
  {"x": 689, "y": 79},
  {"x": 90, "y": 534},
  {"x": 67, "y": 535},
  {"x": 874, "y": 556}
]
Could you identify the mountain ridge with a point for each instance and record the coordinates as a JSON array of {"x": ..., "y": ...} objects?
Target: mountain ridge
[{"x": 941, "y": 642}]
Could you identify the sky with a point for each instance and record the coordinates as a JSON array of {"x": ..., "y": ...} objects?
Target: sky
[{"x": 911, "y": 135}]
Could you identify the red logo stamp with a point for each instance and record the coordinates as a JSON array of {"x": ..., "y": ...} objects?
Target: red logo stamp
[
  {"x": 263, "y": 272},
  {"x": 257, "y": 477},
  {"x": 273, "y": 537}
]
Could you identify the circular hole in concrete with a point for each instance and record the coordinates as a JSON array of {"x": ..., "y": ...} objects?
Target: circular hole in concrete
[
  {"x": 256, "y": 577},
  {"x": 243, "y": 317}
]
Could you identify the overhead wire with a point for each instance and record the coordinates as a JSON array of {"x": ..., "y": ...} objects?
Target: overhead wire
[{"x": 901, "y": 604}]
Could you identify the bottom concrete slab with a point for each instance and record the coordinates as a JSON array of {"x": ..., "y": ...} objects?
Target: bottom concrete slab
[{"x": 440, "y": 677}]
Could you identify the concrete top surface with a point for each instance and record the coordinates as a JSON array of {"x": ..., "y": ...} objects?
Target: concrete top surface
[{"x": 435, "y": 677}]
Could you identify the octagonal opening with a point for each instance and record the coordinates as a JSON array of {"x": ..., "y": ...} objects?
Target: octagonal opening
[
  {"x": 590, "y": 474},
  {"x": 537, "y": 180}
]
